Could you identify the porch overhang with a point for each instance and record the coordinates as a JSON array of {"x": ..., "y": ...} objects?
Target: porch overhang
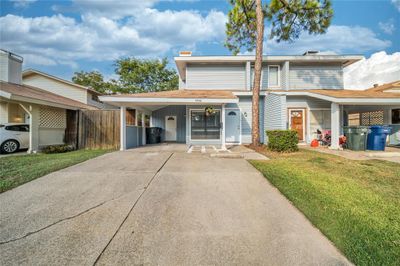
[
  {"x": 165, "y": 98},
  {"x": 358, "y": 98}
]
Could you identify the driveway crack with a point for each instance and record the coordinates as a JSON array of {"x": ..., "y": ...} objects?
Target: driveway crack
[
  {"x": 130, "y": 211},
  {"x": 57, "y": 222}
]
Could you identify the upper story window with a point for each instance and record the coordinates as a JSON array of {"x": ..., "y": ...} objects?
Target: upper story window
[{"x": 273, "y": 76}]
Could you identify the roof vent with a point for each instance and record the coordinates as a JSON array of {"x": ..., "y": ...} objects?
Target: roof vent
[
  {"x": 311, "y": 52},
  {"x": 376, "y": 85},
  {"x": 185, "y": 53}
]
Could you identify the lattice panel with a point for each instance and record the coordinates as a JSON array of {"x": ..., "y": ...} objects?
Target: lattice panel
[
  {"x": 52, "y": 118},
  {"x": 372, "y": 118}
]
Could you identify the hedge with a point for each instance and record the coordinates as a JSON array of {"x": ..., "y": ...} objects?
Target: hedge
[
  {"x": 282, "y": 140},
  {"x": 57, "y": 148}
]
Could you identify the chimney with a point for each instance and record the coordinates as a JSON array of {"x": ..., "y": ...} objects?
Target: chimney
[
  {"x": 185, "y": 53},
  {"x": 376, "y": 85},
  {"x": 10, "y": 67}
]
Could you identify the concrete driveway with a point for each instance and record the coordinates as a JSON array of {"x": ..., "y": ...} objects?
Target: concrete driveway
[{"x": 157, "y": 206}]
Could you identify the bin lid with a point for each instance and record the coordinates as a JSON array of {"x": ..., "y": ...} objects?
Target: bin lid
[{"x": 355, "y": 129}]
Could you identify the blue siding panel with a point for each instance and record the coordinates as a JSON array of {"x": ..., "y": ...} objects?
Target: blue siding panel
[
  {"x": 132, "y": 136},
  {"x": 158, "y": 120}
]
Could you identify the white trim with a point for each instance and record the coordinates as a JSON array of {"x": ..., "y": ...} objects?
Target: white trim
[
  {"x": 248, "y": 75},
  {"x": 240, "y": 124},
  {"x": 279, "y": 76},
  {"x": 190, "y": 126},
  {"x": 223, "y": 147},
  {"x": 123, "y": 128},
  {"x": 5, "y": 94},
  {"x": 170, "y": 101},
  {"x": 304, "y": 120}
]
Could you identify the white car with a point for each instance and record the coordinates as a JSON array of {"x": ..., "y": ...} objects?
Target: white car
[{"x": 13, "y": 136}]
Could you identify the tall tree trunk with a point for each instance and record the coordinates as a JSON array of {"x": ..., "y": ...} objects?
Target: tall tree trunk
[{"x": 257, "y": 75}]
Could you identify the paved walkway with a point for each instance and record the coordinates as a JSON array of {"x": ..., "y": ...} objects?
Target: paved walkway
[
  {"x": 157, "y": 205},
  {"x": 390, "y": 154}
]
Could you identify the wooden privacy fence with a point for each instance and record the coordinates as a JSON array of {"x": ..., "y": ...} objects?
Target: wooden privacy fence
[{"x": 93, "y": 129}]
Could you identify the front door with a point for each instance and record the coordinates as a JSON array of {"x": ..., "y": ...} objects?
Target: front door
[
  {"x": 170, "y": 128},
  {"x": 297, "y": 122},
  {"x": 232, "y": 125}
]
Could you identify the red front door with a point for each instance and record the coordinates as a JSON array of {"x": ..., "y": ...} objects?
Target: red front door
[{"x": 296, "y": 122}]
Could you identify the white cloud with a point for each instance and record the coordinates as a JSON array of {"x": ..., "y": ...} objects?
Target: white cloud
[
  {"x": 337, "y": 39},
  {"x": 396, "y": 3},
  {"x": 64, "y": 39},
  {"x": 387, "y": 27},
  {"x": 182, "y": 27},
  {"x": 22, "y": 3},
  {"x": 379, "y": 68},
  {"x": 114, "y": 9}
]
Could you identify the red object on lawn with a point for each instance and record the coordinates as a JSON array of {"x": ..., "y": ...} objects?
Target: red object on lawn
[{"x": 314, "y": 143}]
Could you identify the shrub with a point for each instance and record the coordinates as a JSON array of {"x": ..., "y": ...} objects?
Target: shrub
[
  {"x": 57, "y": 148},
  {"x": 282, "y": 140}
]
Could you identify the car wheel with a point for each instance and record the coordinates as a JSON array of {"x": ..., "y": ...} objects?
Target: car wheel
[{"x": 9, "y": 146}]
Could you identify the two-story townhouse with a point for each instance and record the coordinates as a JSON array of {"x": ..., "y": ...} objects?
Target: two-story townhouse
[
  {"x": 213, "y": 103},
  {"x": 65, "y": 88}
]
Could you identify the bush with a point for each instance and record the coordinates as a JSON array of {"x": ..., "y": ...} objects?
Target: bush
[
  {"x": 57, "y": 148},
  {"x": 282, "y": 140}
]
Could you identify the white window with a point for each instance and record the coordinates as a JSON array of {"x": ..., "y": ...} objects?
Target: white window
[{"x": 273, "y": 76}]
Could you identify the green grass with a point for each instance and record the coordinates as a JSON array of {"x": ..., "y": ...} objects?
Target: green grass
[
  {"x": 17, "y": 170},
  {"x": 356, "y": 204}
]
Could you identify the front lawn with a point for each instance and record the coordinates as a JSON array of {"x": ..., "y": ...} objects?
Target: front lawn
[
  {"x": 356, "y": 204},
  {"x": 19, "y": 169}
]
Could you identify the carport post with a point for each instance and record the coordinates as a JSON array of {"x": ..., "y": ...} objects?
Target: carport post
[
  {"x": 123, "y": 128},
  {"x": 143, "y": 129},
  {"x": 335, "y": 125},
  {"x": 223, "y": 127}
]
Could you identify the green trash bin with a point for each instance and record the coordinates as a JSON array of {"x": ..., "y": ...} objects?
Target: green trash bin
[{"x": 356, "y": 137}]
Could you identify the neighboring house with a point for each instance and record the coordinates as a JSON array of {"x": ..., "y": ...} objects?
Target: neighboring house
[
  {"x": 301, "y": 92},
  {"x": 63, "y": 87},
  {"x": 44, "y": 111}
]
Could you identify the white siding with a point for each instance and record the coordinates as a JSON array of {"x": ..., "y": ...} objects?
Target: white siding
[
  {"x": 57, "y": 87},
  {"x": 51, "y": 136},
  {"x": 14, "y": 71},
  {"x": 216, "y": 77},
  {"x": 10, "y": 68},
  {"x": 316, "y": 77},
  {"x": 3, "y": 66}
]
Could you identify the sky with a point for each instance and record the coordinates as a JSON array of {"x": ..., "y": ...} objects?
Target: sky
[{"x": 62, "y": 37}]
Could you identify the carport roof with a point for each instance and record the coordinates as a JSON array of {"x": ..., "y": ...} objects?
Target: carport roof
[
  {"x": 174, "y": 97},
  {"x": 35, "y": 95}
]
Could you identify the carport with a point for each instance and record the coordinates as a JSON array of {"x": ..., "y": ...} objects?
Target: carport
[
  {"x": 44, "y": 111},
  {"x": 183, "y": 106}
]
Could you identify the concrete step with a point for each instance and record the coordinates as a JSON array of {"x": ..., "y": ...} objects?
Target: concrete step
[{"x": 227, "y": 155}]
